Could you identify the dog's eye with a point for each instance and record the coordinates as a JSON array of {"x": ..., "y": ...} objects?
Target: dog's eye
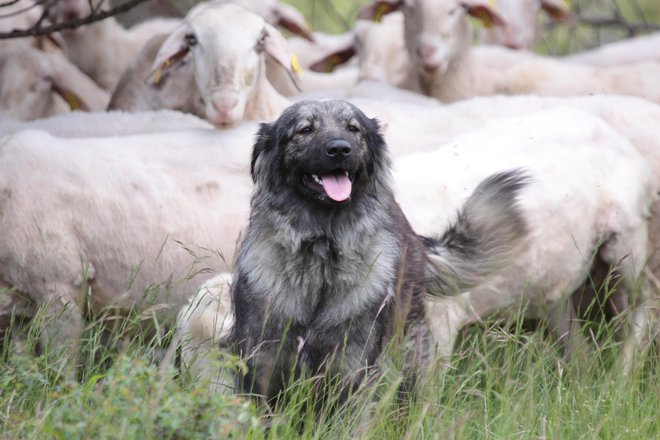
[
  {"x": 352, "y": 128},
  {"x": 306, "y": 130}
]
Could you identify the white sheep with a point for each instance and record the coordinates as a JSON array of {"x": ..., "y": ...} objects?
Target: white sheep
[
  {"x": 274, "y": 12},
  {"x": 226, "y": 46},
  {"x": 522, "y": 28},
  {"x": 175, "y": 90},
  {"x": 35, "y": 84},
  {"x": 103, "y": 49},
  {"x": 589, "y": 195},
  {"x": 202, "y": 325},
  {"x": 139, "y": 219},
  {"x": 24, "y": 15},
  {"x": 20, "y": 15},
  {"x": 309, "y": 52},
  {"x": 632, "y": 50},
  {"x": 382, "y": 53},
  {"x": 380, "y": 50},
  {"x": 106, "y": 124},
  {"x": 438, "y": 40}
]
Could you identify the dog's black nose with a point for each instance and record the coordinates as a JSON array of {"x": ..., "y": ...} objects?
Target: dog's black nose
[{"x": 338, "y": 148}]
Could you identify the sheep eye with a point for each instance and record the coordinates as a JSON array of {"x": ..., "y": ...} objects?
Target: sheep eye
[
  {"x": 306, "y": 130},
  {"x": 191, "y": 40},
  {"x": 261, "y": 42},
  {"x": 352, "y": 128}
]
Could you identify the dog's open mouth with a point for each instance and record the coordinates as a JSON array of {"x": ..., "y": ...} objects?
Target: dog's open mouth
[{"x": 337, "y": 185}]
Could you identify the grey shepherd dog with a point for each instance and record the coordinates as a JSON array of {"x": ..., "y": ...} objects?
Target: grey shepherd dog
[{"x": 329, "y": 269}]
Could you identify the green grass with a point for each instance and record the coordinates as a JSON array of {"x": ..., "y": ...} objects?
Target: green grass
[{"x": 505, "y": 383}]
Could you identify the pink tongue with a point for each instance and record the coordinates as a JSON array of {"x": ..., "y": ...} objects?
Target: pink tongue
[{"x": 337, "y": 187}]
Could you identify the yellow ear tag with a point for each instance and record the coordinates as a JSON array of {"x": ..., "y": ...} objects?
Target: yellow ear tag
[
  {"x": 157, "y": 75},
  {"x": 72, "y": 100},
  {"x": 295, "y": 65}
]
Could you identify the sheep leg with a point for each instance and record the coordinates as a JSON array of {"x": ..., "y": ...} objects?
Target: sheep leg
[
  {"x": 630, "y": 253},
  {"x": 13, "y": 305},
  {"x": 564, "y": 326},
  {"x": 60, "y": 324},
  {"x": 446, "y": 318}
]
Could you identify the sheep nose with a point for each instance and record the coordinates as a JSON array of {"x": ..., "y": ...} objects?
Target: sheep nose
[
  {"x": 338, "y": 147},
  {"x": 225, "y": 104},
  {"x": 425, "y": 51}
]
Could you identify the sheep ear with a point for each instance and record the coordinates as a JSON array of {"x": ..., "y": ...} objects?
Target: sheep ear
[
  {"x": 558, "y": 10},
  {"x": 72, "y": 85},
  {"x": 378, "y": 8},
  {"x": 292, "y": 20},
  {"x": 75, "y": 102},
  {"x": 483, "y": 11},
  {"x": 329, "y": 63},
  {"x": 49, "y": 43},
  {"x": 279, "y": 50},
  {"x": 171, "y": 53},
  {"x": 264, "y": 138}
]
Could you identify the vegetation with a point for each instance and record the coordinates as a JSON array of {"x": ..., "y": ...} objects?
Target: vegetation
[{"x": 506, "y": 382}]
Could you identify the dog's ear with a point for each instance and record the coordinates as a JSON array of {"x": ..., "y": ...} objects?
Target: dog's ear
[
  {"x": 375, "y": 143},
  {"x": 263, "y": 143}
]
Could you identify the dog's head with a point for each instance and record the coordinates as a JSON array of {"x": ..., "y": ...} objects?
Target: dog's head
[{"x": 327, "y": 152}]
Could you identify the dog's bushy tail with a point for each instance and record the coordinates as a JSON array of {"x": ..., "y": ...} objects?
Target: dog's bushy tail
[{"x": 489, "y": 232}]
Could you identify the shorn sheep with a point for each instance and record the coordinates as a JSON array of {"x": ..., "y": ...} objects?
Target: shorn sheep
[
  {"x": 438, "y": 40},
  {"x": 139, "y": 219},
  {"x": 632, "y": 50},
  {"x": 522, "y": 28},
  {"x": 176, "y": 87},
  {"x": 103, "y": 49},
  {"x": 591, "y": 196},
  {"x": 106, "y": 124},
  {"x": 35, "y": 84},
  {"x": 229, "y": 66},
  {"x": 175, "y": 90}
]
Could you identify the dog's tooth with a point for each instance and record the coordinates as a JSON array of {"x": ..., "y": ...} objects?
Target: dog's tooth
[{"x": 317, "y": 179}]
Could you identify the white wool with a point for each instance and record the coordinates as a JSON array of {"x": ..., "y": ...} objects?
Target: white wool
[
  {"x": 104, "y": 124},
  {"x": 438, "y": 40},
  {"x": 201, "y": 326},
  {"x": 151, "y": 213},
  {"x": 588, "y": 185},
  {"x": 633, "y": 50},
  {"x": 34, "y": 84},
  {"x": 104, "y": 48}
]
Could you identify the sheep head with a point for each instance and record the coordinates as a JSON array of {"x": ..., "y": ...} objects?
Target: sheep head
[
  {"x": 436, "y": 32},
  {"x": 226, "y": 45},
  {"x": 34, "y": 84}
]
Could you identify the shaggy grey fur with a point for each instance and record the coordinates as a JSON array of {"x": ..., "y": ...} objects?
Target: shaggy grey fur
[{"x": 322, "y": 285}]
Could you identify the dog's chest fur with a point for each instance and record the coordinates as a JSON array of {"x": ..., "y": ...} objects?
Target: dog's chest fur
[{"x": 312, "y": 279}]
